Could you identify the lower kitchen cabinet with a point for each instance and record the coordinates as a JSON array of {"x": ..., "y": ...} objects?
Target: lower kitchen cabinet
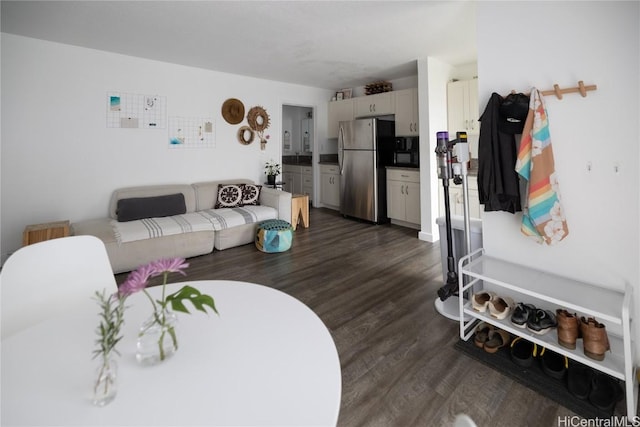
[
  {"x": 403, "y": 197},
  {"x": 306, "y": 173},
  {"x": 456, "y": 198},
  {"x": 298, "y": 179},
  {"x": 330, "y": 186},
  {"x": 287, "y": 178}
]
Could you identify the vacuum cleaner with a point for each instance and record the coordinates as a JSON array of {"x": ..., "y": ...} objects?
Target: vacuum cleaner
[{"x": 457, "y": 171}]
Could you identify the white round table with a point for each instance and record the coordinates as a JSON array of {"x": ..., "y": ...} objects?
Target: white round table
[{"x": 266, "y": 360}]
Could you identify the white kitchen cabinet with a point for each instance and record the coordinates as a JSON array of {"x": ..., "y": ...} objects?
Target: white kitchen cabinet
[
  {"x": 549, "y": 291},
  {"x": 406, "y": 111},
  {"x": 456, "y": 198},
  {"x": 339, "y": 111},
  {"x": 403, "y": 197},
  {"x": 307, "y": 181},
  {"x": 330, "y": 186},
  {"x": 462, "y": 107},
  {"x": 380, "y": 104},
  {"x": 292, "y": 179},
  {"x": 298, "y": 179},
  {"x": 287, "y": 178}
]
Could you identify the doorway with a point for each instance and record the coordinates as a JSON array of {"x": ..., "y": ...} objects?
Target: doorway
[{"x": 298, "y": 145}]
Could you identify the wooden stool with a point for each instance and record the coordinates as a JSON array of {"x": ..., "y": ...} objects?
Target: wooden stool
[
  {"x": 41, "y": 232},
  {"x": 300, "y": 207}
]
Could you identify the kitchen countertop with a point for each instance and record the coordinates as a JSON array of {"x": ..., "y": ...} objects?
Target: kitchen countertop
[
  {"x": 473, "y": 172},
  {"x": 404, "y": 168},
  {"x": 297, "y": 164},
  {"x": 299, "y": 160}
]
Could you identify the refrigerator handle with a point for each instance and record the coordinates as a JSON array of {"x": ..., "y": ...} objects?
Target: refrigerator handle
[{"x": 340, "y": 147}]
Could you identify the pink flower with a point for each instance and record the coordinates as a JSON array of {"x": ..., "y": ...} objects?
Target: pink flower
[
  {"x": 137, "y": 280},
  {"x": 172, "y": 265}
]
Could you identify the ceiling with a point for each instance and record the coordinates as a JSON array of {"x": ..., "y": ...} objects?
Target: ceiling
[{"x": 325, "y": 44}]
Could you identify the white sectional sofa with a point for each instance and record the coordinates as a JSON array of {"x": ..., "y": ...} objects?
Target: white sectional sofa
[{"x": 186, "y": 228}]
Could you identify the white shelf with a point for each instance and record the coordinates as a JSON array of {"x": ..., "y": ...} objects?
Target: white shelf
[
  {"x": 604, "y": 304},
  {"x": 613, "y": 363},
  {"x": 609, "y": 306}
]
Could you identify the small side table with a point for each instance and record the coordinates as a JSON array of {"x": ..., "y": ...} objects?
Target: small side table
[
  {"x": 277, "y": 185},
  {"x": 300, "y": 210},
  {"x": 40, "y": 232}
]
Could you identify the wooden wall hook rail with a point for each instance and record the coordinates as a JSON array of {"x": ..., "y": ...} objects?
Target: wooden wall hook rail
[{"x": 581, "y": 89}]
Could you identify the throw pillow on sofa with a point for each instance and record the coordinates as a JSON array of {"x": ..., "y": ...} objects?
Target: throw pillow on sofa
[
  {"x": 229, "y": 196},
  {"x": 251, "y": 194},
  {"x": 150, "y": 207}
]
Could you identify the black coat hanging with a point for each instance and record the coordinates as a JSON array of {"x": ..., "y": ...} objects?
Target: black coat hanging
[{"x": 498, "y": 182}]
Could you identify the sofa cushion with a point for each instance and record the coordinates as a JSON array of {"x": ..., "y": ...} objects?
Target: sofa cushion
[
  {"x": 207, "y": 191},
  {"x": 135, "y": 208},
  {"x": 251, "y": 194},
  {"x": 152, "y": 191},
  {"x": 223, "y": 219},
  {"x": 229, "y": 196}
]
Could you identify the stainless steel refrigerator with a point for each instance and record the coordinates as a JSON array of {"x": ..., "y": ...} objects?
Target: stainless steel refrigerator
[{"x": 365, "y": 148}]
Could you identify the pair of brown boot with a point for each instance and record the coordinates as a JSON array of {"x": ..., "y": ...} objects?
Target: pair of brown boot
[{"x": 593, "y": 334}]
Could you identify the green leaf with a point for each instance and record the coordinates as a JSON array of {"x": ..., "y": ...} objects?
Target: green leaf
[{"x": 199, "y": 300}]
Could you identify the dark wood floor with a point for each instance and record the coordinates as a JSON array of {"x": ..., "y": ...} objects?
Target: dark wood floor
[{"x": 374, "y": 286}]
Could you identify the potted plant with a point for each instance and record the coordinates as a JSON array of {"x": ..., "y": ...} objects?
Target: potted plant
[{"x": 272, "y": 170}]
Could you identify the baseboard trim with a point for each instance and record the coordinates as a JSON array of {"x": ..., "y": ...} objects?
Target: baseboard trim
[{"x": 428, "y": 237}]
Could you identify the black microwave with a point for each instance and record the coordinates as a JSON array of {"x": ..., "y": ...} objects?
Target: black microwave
[
  {"x": 407, "y": 144},
  {"x": 407, "y": 158}
]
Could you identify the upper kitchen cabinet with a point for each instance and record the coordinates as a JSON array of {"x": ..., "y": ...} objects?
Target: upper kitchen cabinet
[
  {"x": 339, "y": 111},
  {"x": 380, "y": 104},
  {"x": 406, "y": 112},
  {"x": 462, "y": 107}
]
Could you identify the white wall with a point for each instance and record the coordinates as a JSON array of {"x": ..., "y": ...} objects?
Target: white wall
[
  {"x": 433, "y": 76},
  {"x": 60, "y": 161},
  {"x": 542, "y": 43}
]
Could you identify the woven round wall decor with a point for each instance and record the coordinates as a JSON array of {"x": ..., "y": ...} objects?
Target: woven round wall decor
[
  {"x": 258, "y": 119},
  {"x": 233, "y": 111},
  {"x": 245, "y": 135}
]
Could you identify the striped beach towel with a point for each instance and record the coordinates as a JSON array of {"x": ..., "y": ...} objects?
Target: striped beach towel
[{"x": 542, "y": 214}]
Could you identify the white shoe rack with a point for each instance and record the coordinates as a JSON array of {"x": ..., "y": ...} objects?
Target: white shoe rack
[{"x": 609, "y": 306}]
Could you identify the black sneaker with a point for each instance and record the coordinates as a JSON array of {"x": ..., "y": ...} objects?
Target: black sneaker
[
  {"x": 553, "y": 364},
  {"x": 605, "y": 392},
  {"x": 541, "y": 322},
  {"x": 521, "y": 314},
  {"x": 579, "y": 378},
  {"x": 523, "y": 352}
]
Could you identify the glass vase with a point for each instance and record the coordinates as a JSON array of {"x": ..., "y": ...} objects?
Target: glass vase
[
  {"x": 157, "y": 338},
  {"x": 105, "y": 387}
]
